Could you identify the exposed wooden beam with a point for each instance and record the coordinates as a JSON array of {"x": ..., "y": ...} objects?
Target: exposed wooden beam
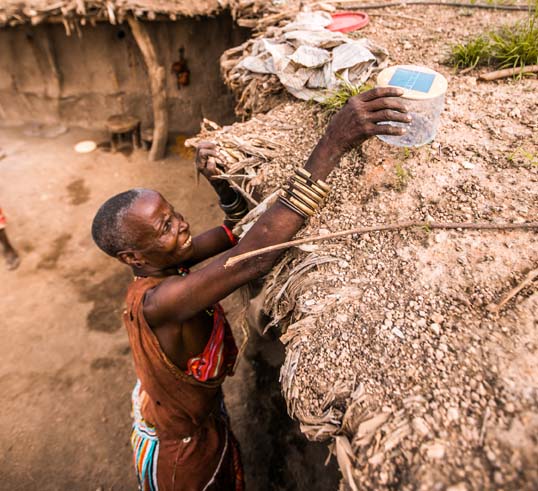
[{"x": 156, "y": 74}]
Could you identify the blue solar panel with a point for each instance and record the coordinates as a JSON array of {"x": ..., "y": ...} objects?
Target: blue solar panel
[{"x": 410, "y": 79}]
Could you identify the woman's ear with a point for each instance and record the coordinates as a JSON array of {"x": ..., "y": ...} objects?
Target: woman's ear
[{"x": 131, "y": 258}]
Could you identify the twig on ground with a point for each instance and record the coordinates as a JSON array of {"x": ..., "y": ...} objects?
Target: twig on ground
[
  {"x": 496, "y": 308},
  {"x": 379, "y": 228},
  {"x": 399, "y": 16},
  {"x": 508, "y": 72},
  {"x": 427, "y": 2},
  {"x": 466, "y": 70}
]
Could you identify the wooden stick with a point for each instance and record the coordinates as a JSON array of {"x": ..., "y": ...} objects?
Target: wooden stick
[
  {"x": 157, "y": 82},
  {"x": 513, "y": 292},
  {"x": 508, "y": 72},
  {"x": 399, "y": 16},
  {"x": 379, "y": 228},
  {"x": 427, "y": 2},
  {"x": 467, "y": 70}
]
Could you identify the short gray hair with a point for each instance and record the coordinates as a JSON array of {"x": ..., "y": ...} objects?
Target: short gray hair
[{"x": 108, "y": 226}]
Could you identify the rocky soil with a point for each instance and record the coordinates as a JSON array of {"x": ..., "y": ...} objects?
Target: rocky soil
[{"x": 397, "y": 353}]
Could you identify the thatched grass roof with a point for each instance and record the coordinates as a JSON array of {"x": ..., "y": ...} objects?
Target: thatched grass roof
[{"x": 15, "y": 12}]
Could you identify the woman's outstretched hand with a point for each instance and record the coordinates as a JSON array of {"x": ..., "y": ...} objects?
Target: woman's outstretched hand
[
  {"x": 207, "y": 157},
  {"x": 359, "y": 119}
]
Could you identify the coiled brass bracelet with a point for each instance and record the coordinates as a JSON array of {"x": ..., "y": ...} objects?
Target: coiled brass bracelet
[{"x": 303, "y": 195}]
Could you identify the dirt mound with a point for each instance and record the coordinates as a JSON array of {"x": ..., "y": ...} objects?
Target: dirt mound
[{"x": 397, "y": 350}]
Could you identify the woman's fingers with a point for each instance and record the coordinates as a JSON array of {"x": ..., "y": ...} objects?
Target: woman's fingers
[
  {"x": 206, "y": 144},
  {"x": 388, "y": 129},
  {"x": 394, "y": 103},
  {"x": 380, "y": 92},
  {"x": 211, "y": 165},
  {"x": 390, "y": 115},
  {"x": 209, "y": 152},
  {"x": 206, "y": 153}
]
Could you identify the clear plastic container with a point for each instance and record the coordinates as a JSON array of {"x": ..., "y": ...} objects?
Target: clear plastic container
[{"x": 424, "y": 97}]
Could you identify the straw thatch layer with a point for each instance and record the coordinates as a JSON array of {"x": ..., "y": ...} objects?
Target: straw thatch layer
[
  {"x": 393, "y": 353},
  {"x": 15, "y": 12}
]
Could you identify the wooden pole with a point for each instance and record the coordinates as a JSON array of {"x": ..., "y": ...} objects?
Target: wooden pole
[
  {"x": 508, "y": 72},
  {"x": 156, "y": 74}
]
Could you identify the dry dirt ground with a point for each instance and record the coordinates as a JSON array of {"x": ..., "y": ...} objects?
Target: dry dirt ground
[
  {"x": 65, "y": 370},
  {"x": 65, "y": 366}
]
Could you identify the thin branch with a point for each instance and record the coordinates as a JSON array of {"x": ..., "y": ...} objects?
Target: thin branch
[
  {"x": 379, "y": 228},
  {"x": 399, "y": 16},
  {"x": 508, "y": 72},
  {"x": 513, "y": 292},
  {"x": 427, "y": 2}
]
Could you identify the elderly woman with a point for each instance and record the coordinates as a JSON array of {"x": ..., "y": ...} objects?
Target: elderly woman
[{"x": 182, "y": 345}]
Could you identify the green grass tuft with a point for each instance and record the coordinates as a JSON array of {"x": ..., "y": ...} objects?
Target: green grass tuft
[
  {"x": 516, "y": 46},
  {"x": 513, "y": 46},
  {"x": 340, "y": 96},
  {"x": 402, "y": 177},
  {"x": 470, "y": 54}
]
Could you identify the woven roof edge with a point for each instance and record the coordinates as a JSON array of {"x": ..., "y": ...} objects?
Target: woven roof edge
[{"x": 74, "y": 12}]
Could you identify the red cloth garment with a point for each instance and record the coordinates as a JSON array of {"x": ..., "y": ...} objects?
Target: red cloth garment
[
  {"x": 182, "y": 440},
  {"x": 220, "y": 353}
]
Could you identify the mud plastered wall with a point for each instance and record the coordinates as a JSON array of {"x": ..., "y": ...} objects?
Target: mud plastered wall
[{"x": 47, "y": 76}]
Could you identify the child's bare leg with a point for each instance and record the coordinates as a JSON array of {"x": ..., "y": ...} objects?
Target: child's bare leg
[{"x": 12, "y": 258}]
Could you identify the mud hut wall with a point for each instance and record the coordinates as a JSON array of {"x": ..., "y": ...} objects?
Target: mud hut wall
[{"x": 46, "y": 76}]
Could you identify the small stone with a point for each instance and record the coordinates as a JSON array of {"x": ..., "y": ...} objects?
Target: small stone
[
  {"x": 439, "y": 354},
  {"x": 453, "y": 414},
  {"x": 420, "y": 426},
  {"x": 461, "y": 486},
  {"x": 398, "y": 333},
  {"x": 515, "y": 113},
  {"x": 467, "y": 165},
  {"x": 436, "y": 451},
  {"x": 509, "y": 408},
  {"x": 437, "y": 318},
  {"x": 435, "y": 328}
]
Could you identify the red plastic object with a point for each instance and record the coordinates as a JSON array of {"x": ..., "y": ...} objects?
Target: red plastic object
[{"x": 348, "y": 21}]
